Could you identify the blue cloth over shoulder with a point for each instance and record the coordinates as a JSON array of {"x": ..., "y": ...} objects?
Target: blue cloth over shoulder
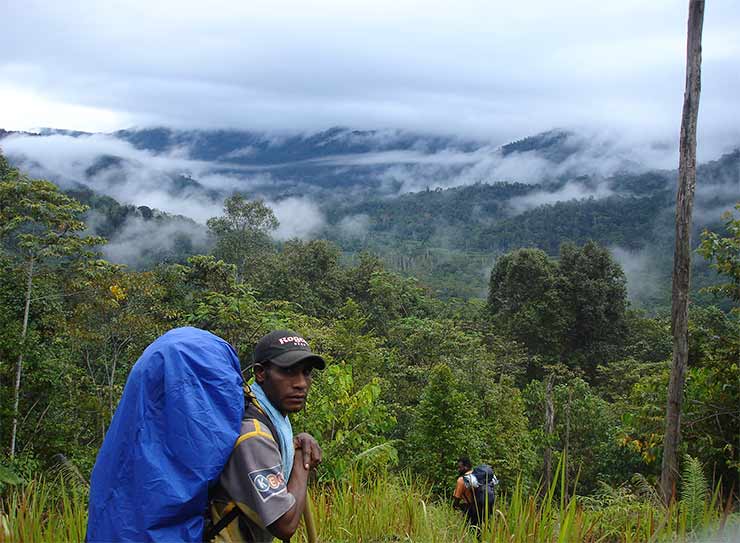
[{"x": 169, "y": 440}]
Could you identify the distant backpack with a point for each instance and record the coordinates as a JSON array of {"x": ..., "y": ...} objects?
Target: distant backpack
[{"x": 483, "y": 482}]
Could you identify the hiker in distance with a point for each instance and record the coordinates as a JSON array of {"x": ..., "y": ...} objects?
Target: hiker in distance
[
  {"x": 266, "y": 476},
  {"x": 475, "y": 492},
  {"x": 462, "y": 497},
  {"x": 193, "y": 454}
]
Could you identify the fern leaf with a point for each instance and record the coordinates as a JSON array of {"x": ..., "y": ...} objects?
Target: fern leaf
[{"x": 694, "y": 492}]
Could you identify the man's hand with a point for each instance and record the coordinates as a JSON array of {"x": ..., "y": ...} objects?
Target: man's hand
[
  {"x": 310, "y": 452},
  {"x": 308, "y": 456}
]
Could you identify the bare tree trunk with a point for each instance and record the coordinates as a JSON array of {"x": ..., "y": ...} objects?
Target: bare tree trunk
[
  {"x": 682, "y": 256},
  {"x": 549, "y": 431},
  {"x": 19, "y": 365}
]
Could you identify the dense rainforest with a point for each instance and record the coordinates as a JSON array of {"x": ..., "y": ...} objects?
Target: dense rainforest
[
  {"x": 435, "y": 208},
  {"x": 413, "y": 381}
]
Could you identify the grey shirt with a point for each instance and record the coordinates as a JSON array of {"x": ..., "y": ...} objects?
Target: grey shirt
[{"x": 253, "y": 479}]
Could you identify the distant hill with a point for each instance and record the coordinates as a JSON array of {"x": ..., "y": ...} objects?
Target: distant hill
[
  {"x": 322, "y": 161},
  {"x": 555, "y": 145},
  {"x": 258, "y": 148},
  {"x": 441, "y": 208},
  {"x": 429, "y": 233},
  {"x": 487, "y": 216}
]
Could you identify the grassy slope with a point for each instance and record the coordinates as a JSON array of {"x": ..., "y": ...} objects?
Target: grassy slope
[{"x": 391, "y": 508}]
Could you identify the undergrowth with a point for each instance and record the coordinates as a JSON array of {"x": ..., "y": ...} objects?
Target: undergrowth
[{"x": 393, "y": 508}]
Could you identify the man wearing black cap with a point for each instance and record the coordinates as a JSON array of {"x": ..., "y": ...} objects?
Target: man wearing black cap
[{"x": 263, "y": 486}]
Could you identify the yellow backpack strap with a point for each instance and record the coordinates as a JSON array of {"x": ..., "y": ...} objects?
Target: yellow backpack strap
[
  {"x": 262, "y": 423},
  {"x": 250, "y": 397},
  {"x": 226, "y": 527},
  {"x": 222, "y": 520}
]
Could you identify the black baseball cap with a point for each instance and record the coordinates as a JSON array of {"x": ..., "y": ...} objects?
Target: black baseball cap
[{"x": 285, "y": 348}]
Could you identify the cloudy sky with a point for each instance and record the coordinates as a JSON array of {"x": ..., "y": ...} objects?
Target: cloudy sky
[{"x": 486, "y": 69}]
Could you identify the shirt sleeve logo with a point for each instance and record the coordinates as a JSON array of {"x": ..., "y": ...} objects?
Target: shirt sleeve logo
[{"x": 268, "y": 482}]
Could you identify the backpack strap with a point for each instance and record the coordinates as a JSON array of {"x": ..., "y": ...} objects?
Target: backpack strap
[
  {"x": 253, "y": 410},
  {"x": 231, "y": 511}
]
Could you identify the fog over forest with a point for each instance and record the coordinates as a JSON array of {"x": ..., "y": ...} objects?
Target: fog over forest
[{"x": 318, "y": 182}]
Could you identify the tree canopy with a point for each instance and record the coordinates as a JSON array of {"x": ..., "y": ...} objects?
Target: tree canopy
[{"x": 413, "y": 380}]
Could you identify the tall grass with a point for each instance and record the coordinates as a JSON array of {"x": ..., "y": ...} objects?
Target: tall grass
[
  {"x": 392, "y": 508},
  {"x": 384, "y": 509},
  {"x": 44, "y": 511}
]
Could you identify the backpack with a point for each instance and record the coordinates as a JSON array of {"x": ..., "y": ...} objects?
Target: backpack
[
  {"x": 170, "y": 438},
  {"x": 482, "y": 481}
]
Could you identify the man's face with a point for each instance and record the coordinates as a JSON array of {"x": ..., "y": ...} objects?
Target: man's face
[
  {"x": 461, "y": 468},
  {"x": 286, "y": 388}
]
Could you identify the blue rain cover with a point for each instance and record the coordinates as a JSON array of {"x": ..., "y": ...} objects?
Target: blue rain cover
[{"x": 170, "y": 438}]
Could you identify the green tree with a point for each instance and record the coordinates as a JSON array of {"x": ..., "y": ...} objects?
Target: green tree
[
  {"x": 507, "y": 443},
  {"x": 6, "y": 171},
  {"x": 593, "y": 300},
  {"x": 346, "y": 340},
  {"x": 524, "y": 303},
  {"x": 205, "y": 272},
  {"x": 421, "y": 343},
  {"x": 385, "y": 296},
  {"x": 242, "y": 233},
  {"x": 392, "y": 297},
  {"x": 711, "y": 399},
  {"x": 724, "y": 253},
  {"x": 648, "y": 347},
  {"x": 39, "y": 229},
  {"x": 238, "y": 317},
  {"x": 571, "y": 311},
  {"x": 712, "y": 396},
  {"x": 308, "y": 274},
  {"x": 47, "y": 359},
  {"x": 587, "y": 428},
  {"x": 115, "y": 316},
  {"x": 441, "y": 430}
]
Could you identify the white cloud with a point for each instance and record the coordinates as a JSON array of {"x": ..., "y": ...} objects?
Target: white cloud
[
  {"x": 572, "y": 190},
  {"x": 142, "y": 178},
  {"x": 244, "y": 152},
  {"x": 354, "y": 226},
  {"x": 705, "y": 215},
  {"x": 482, "y": 68},
  {"x": 299, "y": 218},
  {"x": 444, "y": 157},
  {"x": 641, "y": 270},
  {"x": 71, "y": 156},
  {"x": 139, "y": 241},
  {"x": 24, "y": 108}
]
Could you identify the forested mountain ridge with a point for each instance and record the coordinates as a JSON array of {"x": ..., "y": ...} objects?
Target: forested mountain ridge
[
  {"x": 259, "y": 148},
  {"x": 437, "y": 207},
  {"x": 636, "y": 200},
  {"x": 341, "y": 156},
  {"x": 634, "y": 213}
]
